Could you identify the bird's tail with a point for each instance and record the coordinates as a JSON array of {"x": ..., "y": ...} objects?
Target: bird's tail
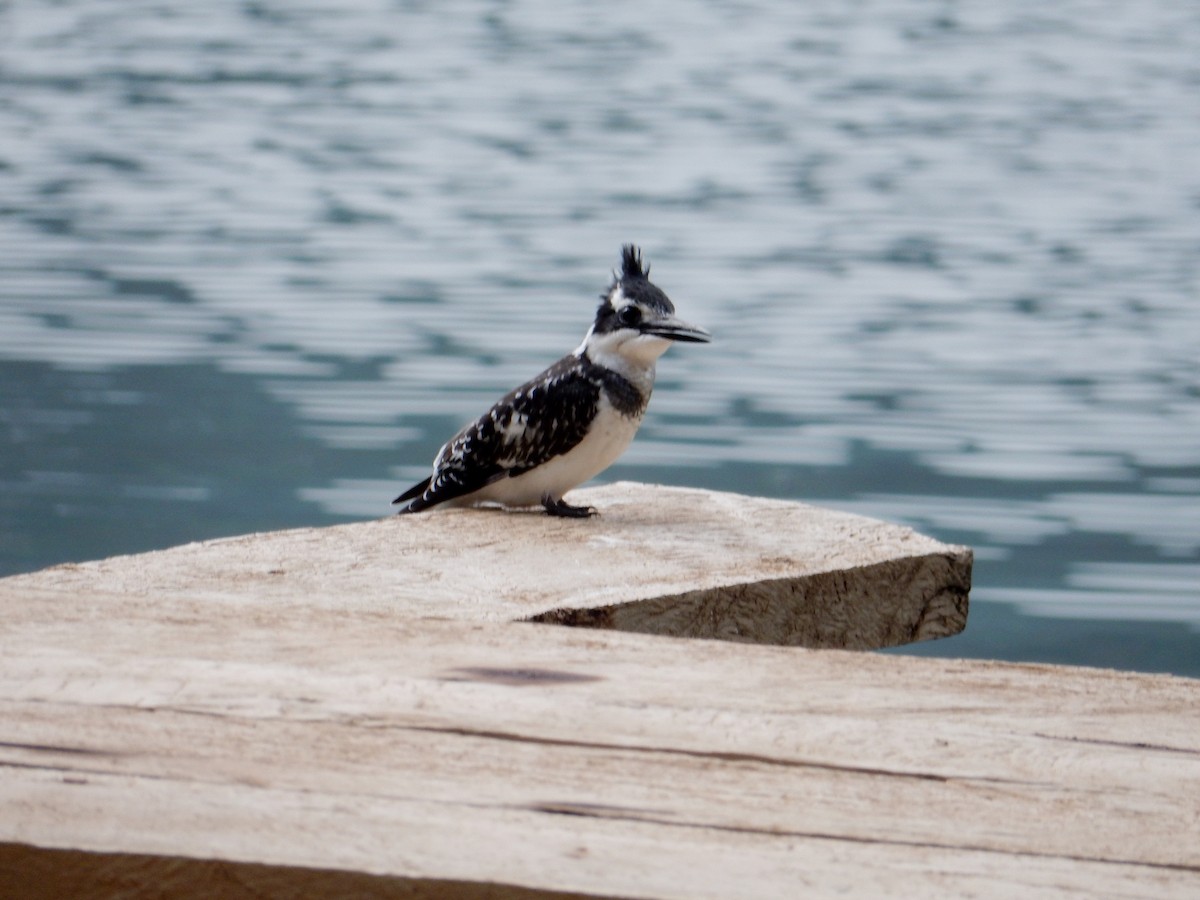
[{"x": 414, "y": 493}]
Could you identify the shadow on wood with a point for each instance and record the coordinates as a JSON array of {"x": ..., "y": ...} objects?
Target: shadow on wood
[{"x": 32, "y": 873}]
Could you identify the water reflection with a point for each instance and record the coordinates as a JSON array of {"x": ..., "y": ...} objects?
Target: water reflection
[{"x": 256, "y": 262}]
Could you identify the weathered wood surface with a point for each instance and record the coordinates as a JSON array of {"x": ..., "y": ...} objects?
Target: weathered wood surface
[
  {"x": 317, "y": 713},
  {"x": 169, "y": 743},
  {"x": 687, "y": 563}
]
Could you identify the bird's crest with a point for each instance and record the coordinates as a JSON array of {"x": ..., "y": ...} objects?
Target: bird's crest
[
  {"x": 631, "y": 263},
  {"x": 633, "y": 283}
]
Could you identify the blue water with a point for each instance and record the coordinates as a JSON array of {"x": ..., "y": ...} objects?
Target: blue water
[{"x": 257, "y": 260}]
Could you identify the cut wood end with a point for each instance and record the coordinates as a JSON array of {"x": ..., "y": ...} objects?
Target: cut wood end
[{"x": 778, "y": 572}]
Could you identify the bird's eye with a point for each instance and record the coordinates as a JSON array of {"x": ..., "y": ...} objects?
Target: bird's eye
[{"x": 629, "y": 315}]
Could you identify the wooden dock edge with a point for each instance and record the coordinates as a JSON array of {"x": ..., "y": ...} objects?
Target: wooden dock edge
[{"x": 657, "y": 560}]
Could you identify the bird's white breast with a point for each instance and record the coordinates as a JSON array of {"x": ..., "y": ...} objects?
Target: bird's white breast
[{"x": 606, "y": 440}]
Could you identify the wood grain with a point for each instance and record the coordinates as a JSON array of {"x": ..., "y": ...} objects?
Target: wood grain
[
  {"x": 174, "y": 726},
  {"x": 605, "y": 764}
]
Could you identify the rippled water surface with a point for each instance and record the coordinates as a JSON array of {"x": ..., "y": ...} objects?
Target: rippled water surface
[{"x": 257, "y": 260}]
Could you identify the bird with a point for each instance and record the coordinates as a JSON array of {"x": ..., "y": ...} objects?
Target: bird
[{"x": 571, "y": 422}]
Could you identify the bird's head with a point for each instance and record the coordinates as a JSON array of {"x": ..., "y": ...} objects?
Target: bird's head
[{"x": 636, "y": 322}]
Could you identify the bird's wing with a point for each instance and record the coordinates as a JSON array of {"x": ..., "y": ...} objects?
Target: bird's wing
[{"x": 534, "y": 423}]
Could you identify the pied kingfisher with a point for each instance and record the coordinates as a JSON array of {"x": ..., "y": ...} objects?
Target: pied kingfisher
[{"x": 572, "y": 421}]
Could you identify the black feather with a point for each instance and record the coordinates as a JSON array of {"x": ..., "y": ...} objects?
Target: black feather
[
  {"x": 631, "y": 263},
  {"x": 415, "y": 491}
]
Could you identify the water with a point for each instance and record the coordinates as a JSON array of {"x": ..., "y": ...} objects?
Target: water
[{"x": 258, "y": 260}]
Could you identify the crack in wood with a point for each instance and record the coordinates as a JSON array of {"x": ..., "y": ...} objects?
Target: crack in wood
[
  {"x": 580, "y": 810},
  {"x": 719, "y": 755},
  {"x": 1125, "y": 745},
  {"x": 645, "y": 816},
  {"x": 520, "y": 677},
  {"x": 55, "y": 748}
]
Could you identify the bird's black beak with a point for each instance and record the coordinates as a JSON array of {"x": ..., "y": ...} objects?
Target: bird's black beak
[{"x": 676, "y": 330}]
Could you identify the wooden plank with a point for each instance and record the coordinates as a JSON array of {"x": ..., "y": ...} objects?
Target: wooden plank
[
  {"x": 299, "y": 744},
  {"x": 661, "y": 560}
]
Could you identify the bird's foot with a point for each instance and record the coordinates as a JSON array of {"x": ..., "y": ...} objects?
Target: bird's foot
[{"x": 561, "y": 508}]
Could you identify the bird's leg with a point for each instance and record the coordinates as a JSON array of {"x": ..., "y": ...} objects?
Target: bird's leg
[{"x": 561, "y": 508}]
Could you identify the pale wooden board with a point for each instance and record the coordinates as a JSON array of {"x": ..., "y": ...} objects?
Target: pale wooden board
[
  {"x": 434, "y": 753},
  {"x": 674, "y": 561}
]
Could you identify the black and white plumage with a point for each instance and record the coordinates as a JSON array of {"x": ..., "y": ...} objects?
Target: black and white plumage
[{"x": 573, "y": 420}]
